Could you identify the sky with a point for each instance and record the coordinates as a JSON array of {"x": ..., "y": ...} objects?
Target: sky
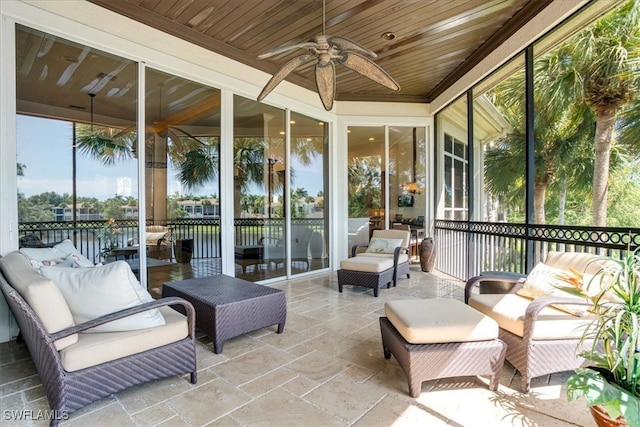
[{"x": 44, "y": 147}]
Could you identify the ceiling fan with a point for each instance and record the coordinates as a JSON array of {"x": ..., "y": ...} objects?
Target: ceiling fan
[
  {"x": 325, "y": 51},
  {"x": 181, "y": 139}
]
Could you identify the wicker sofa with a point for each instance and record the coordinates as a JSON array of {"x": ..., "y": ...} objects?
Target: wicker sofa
[
  {"x": 78, "y": 367},
  {"x": 541, "y": 338}
]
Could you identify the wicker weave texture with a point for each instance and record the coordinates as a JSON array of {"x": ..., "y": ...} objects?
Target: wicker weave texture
[
  {"x": 227, "y": 307},
  {"x": 531, "y": 357},
  {"x": 401, "y": 270},
  {"x": 69, "y": 391},
  {"x": 540, "y": 357},
  {"x": 423, "y": 362},
  {"x": 365, "y": 279}
]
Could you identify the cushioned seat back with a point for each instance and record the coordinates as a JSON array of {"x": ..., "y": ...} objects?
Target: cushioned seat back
[
  {"x": 42, "y": 295},
  {"x": 580, "y": 261},
  {"x": 394, "y": 234},
  {"x": 153, "y": 233},
  {"x": 300, "y": 237}
]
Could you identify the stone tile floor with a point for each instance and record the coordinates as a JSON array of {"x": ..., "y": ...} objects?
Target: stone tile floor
[{"x": 326, "y": 369}]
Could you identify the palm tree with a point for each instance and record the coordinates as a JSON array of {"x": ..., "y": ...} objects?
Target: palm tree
[
  {"x": 599, "y": 68},
  {"x": 558, "y": 134}
]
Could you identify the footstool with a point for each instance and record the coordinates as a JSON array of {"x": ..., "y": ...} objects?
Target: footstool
[
  {"x": 228, "y": 307},
  {"x": 368, "y": 272},
  {"x": 441, "y": 338}
]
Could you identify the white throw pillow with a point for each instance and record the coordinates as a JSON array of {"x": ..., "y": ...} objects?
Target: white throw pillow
[
  {"x": 152, "y": 238},
  {"x": 546, "y": 281},
  {"x": 380, "y": 245},
  {"x": 60, "y": 251},
  {"x": 94, "y": 292},
  {"x": 58, "y": 262}
]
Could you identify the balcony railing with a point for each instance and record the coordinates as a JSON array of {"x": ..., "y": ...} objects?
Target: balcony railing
[
  {"x": 464, "y": 249},
  {"x": 205, "y": 232},
  {"x": 467, "y": 248}
]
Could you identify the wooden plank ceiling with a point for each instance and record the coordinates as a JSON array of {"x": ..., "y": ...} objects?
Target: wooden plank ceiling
[{"x": 436, "y": 41}]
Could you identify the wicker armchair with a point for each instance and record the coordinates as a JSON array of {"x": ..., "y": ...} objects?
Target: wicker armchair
[
  {"x": 159, "y": 242},
  {"x": 522, "y": 320},
  {"x": 68, "y": 391}
]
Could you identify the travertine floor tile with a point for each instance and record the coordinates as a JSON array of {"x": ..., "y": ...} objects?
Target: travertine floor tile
[
  {"x": 284, "y": 410},
  {"x": 393, "y": 412},
  {"x": 344, "y": 398},
  {"x": 208, "y": 402},
  {"x": 318, "y": 366},
  {"x": 245, "y": 368},
  {"x": 327, "y": 368}
]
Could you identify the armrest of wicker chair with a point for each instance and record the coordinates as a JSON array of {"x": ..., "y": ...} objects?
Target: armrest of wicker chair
[
  {"x": 538, "y": 304},
  {"x": 168, "y": 301},
  {"x": 507, "y": 285},
  {"x": 396, "y": 254},
  {"x": 355, "y": 248}
]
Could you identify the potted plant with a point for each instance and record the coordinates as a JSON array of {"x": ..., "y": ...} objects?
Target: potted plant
[{"x": 611, "y": 382}]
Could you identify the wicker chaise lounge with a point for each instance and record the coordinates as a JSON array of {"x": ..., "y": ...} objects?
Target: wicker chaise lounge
[
  {"x": 399, "y": 254},
  {"x": 384, "y": 261},
  {"x": 68, "y": 390}
]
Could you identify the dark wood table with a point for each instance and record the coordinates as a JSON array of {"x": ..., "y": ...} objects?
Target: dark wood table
[
  {"x": 227, "y": 307},
  {"x": 134, "y": 263},
  {"x": 126, "y": 252},
  {"x": 249, "y": 255}
]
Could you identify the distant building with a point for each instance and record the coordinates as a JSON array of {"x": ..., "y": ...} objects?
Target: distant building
[{"x": 203, "y": 208}]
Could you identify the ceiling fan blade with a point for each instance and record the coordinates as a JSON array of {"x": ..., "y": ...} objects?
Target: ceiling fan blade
[
  {"x": 178, "y": 144},
  {"x": 283, "y": 72},
  {"x": 326, "y": 84},
  {"x": 188, "y": 135},
  {"x": 125, "y": 131},
  {"x": 368, "y": 68},
  {"x": 347, "y": 44},
  {"x": 282, "y": 49}
]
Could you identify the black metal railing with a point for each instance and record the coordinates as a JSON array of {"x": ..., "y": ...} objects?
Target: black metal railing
[
  {"x": 466, "y": 248},
  {"x": 205, "y": 232}
]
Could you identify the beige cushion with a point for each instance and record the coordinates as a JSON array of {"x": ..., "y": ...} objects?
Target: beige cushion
[
  {"x": 383, "y": 245},
  {"x": 94, "y": 292},
  {"x": 429, "y": 321},
  {"x": 579, "y": 261},
  {"x": 62, "y": 250},
  {"x": 544, "y": 280},
  {"x": 152, "y": 238},
  {"x": 42, "y": 295},
  {"x": 367, "y": 264},
  {"x": 401, "y": 258},
  {"x": 394, "y": 234},
  {"x": 93, "y": 349},
  {"x": 509, "y": 310}
]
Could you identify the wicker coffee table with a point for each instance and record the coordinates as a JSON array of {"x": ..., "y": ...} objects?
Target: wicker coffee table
[{"x": 227, "y": 307}]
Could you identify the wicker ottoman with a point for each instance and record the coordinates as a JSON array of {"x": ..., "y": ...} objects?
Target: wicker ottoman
[
  {"x": 368, "y": 272},
  {"x": 441, "y": 338},
  {"x": 227, "y": 307}
]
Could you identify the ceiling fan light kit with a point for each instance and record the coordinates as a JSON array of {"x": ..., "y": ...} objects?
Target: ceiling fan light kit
[{"x": 325, "y": 51}]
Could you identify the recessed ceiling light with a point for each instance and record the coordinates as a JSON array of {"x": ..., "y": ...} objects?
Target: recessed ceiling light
[
  {"x": 282, "y": 132},
  {"x": 293, "y": 122},
  {"x": 388, "y": 36},
  {"x": 372, "y": 139}
]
